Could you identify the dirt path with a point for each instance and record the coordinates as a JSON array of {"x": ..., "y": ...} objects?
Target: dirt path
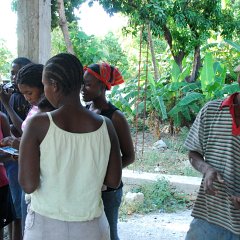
[{"x": 156, "y": 226}]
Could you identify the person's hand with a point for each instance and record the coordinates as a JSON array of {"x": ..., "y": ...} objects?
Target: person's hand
[
  {"x": 211, "y": 176},
  {"x": 5, "y": 95},
  {"x": 10, "y": 141},
  {"x": 14, "y": 157},
  {"x": 236, "y": 201}
]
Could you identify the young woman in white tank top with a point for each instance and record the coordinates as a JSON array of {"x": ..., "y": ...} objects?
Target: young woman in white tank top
[{"x": 65, "y": 157}]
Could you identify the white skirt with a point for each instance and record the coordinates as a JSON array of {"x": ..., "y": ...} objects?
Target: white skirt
[{"x": 38, "y": 227}]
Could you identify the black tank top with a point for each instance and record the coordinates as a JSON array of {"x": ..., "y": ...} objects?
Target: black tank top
[{"x": 108, "y": 113}]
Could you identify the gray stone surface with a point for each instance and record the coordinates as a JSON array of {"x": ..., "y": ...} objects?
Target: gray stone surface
[{"x": 164, "y": 226}]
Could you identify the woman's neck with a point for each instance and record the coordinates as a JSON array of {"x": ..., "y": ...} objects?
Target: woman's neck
[
  {"x": 100, "y": 104},
  {"x": 69, "y": 101}
]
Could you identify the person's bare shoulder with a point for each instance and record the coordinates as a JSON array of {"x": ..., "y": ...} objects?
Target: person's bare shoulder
[{"x": 38, "y": 125}]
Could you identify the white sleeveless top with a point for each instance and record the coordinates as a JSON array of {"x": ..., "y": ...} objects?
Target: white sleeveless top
[{"x": 72, "y": 170}]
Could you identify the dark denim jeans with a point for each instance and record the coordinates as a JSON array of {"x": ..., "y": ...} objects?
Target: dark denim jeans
[
  {"x": 201, "y": 229},
  {"x": 112, "y": 201},
  {"x": 16, "y": 190}
]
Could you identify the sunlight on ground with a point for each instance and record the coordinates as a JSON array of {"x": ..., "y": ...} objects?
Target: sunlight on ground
[{"x": 177, "y": 227}]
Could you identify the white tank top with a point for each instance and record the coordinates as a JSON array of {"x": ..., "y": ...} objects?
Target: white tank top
[{"x": 72, "y": 170}]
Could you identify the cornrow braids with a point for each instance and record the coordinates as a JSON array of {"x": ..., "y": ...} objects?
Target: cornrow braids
[
  {"x": 66, "y": 70},
  {"x": 31, "y": 75},
  {"x": 21, "y": 61},
  {"x": 95, "y": 67}
]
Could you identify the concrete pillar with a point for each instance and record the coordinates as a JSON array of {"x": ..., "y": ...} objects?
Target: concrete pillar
[{"x": 34, "y": 30}]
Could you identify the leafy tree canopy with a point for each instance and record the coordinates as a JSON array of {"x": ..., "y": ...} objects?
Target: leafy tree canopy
[
  {"x": 91, "y": 49},
  {"x": 69, "y": 5},
  {"x": 5, "y": 59},
  {"x": 185, "y": 24}
]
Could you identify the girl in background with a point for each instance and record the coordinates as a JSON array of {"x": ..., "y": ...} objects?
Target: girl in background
[
  {"x": 29, "y": 81},
  {"x": 97, "y": 79},
  {"x": 7, "y": 213}
]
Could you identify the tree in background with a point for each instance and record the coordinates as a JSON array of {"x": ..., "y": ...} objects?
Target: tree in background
[
  {"x": 184, "y": 24},
  {"x": 69, "y": 6},
  {"x": 5, "y": 61},
  {"x": 91, "y": 49},
  {"x": 64, "y": 25}
]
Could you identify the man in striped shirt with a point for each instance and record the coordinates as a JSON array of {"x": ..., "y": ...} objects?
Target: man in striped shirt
[{"x": 214, "y": 150}]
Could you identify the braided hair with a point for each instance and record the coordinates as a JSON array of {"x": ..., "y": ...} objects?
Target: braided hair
[
  {"x": 31, "y": 75},
  {"x": 66, "y": 70},
  {"x": 21, "y": 61}
]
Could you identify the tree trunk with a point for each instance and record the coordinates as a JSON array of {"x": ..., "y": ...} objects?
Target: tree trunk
[
  {"x": 34, "y": 36},
  {"x": 179, "y": 58},
  {"x": 196, "y": 64},
  {"x": 151, "y": 45},
  {"x": 181, "y": 54},
  {"x": 64, "y": 27}
]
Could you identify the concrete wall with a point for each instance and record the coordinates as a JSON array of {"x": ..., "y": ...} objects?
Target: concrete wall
[{"x": 34, "y": 29}]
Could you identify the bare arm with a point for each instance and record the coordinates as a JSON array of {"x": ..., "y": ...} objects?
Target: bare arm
[
  {"x": 124, "y": 136},
  {"x": 29, "y": 157},
  {"x": 17, "y": 121},
  {"x": 210, "y": 174},
  {"x": 5, "y": 126},
  {"x": 6, "y": 133},
  {"x": 197, "y": 161},
  {"x": 114, "y": 169}
]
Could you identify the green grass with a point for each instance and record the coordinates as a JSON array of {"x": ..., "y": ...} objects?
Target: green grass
[
  {"x": 166, "y": 162},
  {"x": 173, "y": 160},
  {"x": 158, "y": 196}
]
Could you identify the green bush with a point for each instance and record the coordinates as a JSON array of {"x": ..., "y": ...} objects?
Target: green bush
[{"x": 158, "y": 196}]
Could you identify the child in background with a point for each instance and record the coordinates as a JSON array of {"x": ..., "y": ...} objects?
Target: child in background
[
  {"x": 7, "y": 213},
  {"x": 43, "y": 106}
]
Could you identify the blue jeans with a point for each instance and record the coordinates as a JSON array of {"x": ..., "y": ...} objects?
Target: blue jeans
[
  {"x": 16, "y": 190},
  {"x": 112, "y": 201},
  {"x": 201, "y": 229}
]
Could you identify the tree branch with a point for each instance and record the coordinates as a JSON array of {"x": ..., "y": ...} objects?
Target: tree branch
[{"x": 64, "y": 27}]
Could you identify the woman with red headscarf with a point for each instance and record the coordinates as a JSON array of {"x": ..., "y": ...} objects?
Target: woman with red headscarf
[{"x": 97, "y": 79}]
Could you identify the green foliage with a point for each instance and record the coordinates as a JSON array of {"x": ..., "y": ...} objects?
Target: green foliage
[
  {"x": 69, "y": 5},
  {"x": 185, "y": 25},
  {"x": 159, "y": 196},
  {"x": 116, "y": 56},
  {"x": 175, "y": 98},
  {"x": 90, "y": 49},
  {"x": 207, "y": 73},
  {"x": 234, "y": 44},
  {"x": 190, "y": 23},
  {"x": 5, "y": 60}
]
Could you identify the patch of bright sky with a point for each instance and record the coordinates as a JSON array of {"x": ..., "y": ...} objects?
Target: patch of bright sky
[
  {"x": 93, "y": 20},
  {"x": 8, "y": 20}
]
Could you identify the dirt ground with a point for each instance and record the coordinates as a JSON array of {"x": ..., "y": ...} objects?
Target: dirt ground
[{"x": 164, "y": 226}]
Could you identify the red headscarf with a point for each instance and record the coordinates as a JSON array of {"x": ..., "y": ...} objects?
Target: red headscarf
[{"x": 109, "y": 75}]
